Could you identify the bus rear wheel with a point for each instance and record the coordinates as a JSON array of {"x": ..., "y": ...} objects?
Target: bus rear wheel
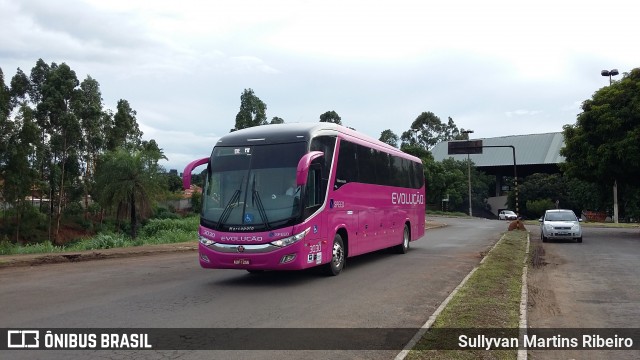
[
  {"x": 404, "y": 246},
  {"x": 334, "y": 267}
]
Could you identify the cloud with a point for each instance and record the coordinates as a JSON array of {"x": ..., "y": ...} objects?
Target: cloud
[
  {"x": 499, "y": 68},
  {"x": 522, "y": 112}
]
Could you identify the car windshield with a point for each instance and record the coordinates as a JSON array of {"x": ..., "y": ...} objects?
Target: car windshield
[
  {"x": 560, "y": 216},
  {"x": 251, "y": 188},
  {"x": 509, "y": 213}
]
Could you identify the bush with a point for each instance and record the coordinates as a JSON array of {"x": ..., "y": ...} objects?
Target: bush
[
  {"x": 171, "y": 236},
  {"x": 164, "y": 213},
  {"x": 5, "y": 245},
  {"x": 536, "y": 208},
  {"x": 104, "y": 241},
  {"x": 155, "y": 226}
]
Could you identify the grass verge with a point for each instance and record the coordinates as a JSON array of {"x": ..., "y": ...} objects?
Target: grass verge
[
  {"x": 156, "y": 231},
  {"x": 446, "y": 213},
  {"x": 489, "y": 299}
]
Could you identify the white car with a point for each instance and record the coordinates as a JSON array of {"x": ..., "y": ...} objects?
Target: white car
[
  {"x": 560, "y": 224},
  {"x": 507, "y": 215}
]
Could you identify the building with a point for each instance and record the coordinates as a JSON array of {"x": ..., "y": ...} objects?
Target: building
[{"x": 535, "y": 153}]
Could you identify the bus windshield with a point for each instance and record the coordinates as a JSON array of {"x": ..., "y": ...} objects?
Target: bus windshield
[{"x": 252, "y": 188}]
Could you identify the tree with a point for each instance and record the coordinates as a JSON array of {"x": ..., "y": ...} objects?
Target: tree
[
  {"x": 58, "y": 93},
  {"x": 130, "y": 182},
  {"x": 174, "y": 182},
  {"x": 18, "y": 175},
  {"x": 448, "y": 179},
  {"x": 44, "y": 162},
  {"x": 59, "y": 133},
  {"x": 603, "y": 146},
  {"x": 5, "y": 111},
  {"x": 570, "y": 193},
  {"x": 252, "y": 111},
  {"x": 427, "y": 130},
  {"x": 88, "y": 108},
  {"x": 277, "y": 120},
  {"x": 19, "y": 87},
  {"x": 332, "y": 117},
  {"x": 389, "y": 137},
  {"x": 124, "y": 132}
]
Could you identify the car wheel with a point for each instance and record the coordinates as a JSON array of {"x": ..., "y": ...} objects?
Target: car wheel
[
  {"x": 544, "y": 238},
  {"x": 579, "y": 239},
  {"x": 334, "y": 267}
]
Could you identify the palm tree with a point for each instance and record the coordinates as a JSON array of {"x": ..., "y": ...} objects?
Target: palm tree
[{"x": 129, "y": 182}]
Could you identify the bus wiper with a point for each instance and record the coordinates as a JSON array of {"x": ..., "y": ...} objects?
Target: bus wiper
[
  {"x": 227, "y": 210},
  {"x": 256, "y": 198}
]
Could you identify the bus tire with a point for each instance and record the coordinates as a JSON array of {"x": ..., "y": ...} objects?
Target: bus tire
[
  {"x": 404, "y": 246},
  {"x": 336, "y": 264}
]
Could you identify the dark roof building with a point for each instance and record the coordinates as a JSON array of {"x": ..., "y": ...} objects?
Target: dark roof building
[{"x": 535, "y": 153}]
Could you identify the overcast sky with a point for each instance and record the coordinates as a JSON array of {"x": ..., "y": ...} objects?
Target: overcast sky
[{"x": 496, "y": 67}]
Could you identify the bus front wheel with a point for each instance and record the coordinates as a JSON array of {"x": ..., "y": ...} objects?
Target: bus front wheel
[{"x": 334, "y": 267}]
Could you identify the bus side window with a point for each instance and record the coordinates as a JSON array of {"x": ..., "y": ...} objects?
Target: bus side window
[
  {"x": 347, "y": 169},
  {"x": 314, "y": 196}
]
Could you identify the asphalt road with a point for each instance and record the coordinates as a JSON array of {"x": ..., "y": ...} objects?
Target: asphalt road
[
  {"x": 379, "y": 290},
  {"x": 595, "y": 284}
]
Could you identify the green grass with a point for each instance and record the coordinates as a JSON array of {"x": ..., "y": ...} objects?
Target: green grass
[
  {"x": 489, "y": 299},
  {"x": 446, "y": 213},
  {"x": 156, "y": 231},
  {"x": 611, "y": 225}
]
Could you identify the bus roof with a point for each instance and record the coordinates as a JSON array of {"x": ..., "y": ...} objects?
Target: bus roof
[{"x": 292, "y": 132}]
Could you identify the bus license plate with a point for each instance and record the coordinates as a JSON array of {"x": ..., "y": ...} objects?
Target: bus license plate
[{"x": 241, "y": 261}]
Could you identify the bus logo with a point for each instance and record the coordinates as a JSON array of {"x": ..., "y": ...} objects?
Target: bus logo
[{"x": 240, "y": 248}]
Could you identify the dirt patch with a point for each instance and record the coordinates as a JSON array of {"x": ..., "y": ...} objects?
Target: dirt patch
[{"x": 543, "y": 302}]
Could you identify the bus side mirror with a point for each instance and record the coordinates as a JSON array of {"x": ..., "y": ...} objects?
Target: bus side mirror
[
  {"x": 303, "y": 166},
  {"x": 186, "y": 174}
]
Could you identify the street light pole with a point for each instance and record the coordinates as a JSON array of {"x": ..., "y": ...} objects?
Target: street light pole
[
  {"x": 469, "y": 172},
  {"x": 610, "y": 73}
]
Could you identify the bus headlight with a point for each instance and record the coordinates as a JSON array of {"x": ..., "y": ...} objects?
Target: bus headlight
[
  {"x": 291, "y": 239},
  {"x": 204, "y": 241}
]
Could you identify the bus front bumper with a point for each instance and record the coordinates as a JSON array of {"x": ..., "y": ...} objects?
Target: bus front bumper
[{"x": 258, "y": 257}]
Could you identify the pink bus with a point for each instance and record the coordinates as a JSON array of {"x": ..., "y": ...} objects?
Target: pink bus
[{"x": 294, "y": 196}]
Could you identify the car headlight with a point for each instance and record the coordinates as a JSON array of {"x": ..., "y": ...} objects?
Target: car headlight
[
  {"x": 204, "y": 241},
  {"x": 548, "y": 226},
  {"x": 291, "y": 239}
]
